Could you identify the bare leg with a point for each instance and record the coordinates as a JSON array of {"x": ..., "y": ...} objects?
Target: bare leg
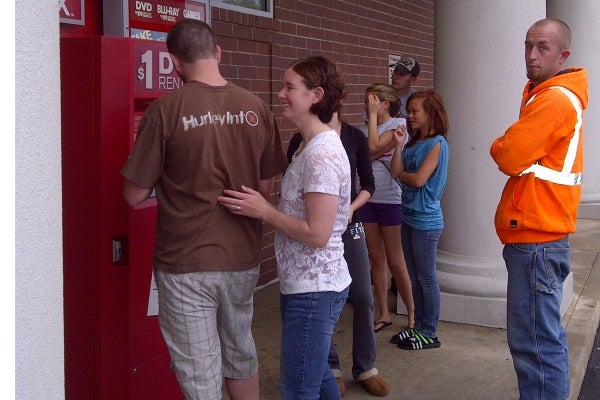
[
  {"x": 397, "y": 265},
  {"x": 243, "y": 389},
  {"x": 379, "y": 268}
]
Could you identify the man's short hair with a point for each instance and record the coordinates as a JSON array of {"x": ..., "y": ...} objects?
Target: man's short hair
[
  {"x": 564, "y": 31},
  {"x": 191, "y": 40}
]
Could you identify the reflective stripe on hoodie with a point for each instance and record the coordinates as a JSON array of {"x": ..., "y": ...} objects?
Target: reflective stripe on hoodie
[{"x": 564, "y": 177}]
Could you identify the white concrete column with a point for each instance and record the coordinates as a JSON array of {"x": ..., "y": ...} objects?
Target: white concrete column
[
  {"x": 480, "y": 72},
  {"x": 583, "y": 16},
  {"x": 38, "y": 270}
]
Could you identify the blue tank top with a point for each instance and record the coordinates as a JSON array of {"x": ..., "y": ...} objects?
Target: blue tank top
[{"x": 421, "y": 207}]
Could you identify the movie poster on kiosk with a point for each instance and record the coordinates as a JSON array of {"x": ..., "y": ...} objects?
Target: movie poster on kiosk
[
  {"x": 154, "y": 73},
  {"x": 152, "y": 19}
]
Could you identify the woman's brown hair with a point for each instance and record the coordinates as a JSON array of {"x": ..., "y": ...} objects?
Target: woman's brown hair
[{"x": 319, "y": 71}]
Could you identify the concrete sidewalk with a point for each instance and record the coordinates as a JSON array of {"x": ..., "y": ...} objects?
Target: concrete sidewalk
[{"x": 473, "y": 363}]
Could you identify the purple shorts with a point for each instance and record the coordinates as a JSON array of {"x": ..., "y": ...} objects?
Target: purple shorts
[{"x": 381, "y": 214}]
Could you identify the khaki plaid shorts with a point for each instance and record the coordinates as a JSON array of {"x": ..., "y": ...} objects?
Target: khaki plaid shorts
[{"x": 206, "y": 320}]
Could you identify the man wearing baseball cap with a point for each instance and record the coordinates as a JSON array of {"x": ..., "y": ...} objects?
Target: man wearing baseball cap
[{"x": 405, "y": 72}]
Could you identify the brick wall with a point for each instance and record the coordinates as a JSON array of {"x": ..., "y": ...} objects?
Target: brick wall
[{"x": 358, "y": 35}]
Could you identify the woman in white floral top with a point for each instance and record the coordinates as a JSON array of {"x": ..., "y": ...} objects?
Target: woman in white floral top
[{"x": 311, "y": 218}]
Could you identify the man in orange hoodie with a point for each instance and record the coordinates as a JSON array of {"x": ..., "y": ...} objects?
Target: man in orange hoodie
[{"x": 542, "y": 154}]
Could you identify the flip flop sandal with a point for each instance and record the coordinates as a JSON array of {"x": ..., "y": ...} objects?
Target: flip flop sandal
[{"x": 379, "y": 325}]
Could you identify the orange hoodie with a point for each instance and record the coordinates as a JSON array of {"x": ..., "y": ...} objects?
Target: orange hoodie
[{"x": 533, "y": 209}]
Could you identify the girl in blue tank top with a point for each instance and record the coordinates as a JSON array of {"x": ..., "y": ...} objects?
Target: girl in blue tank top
[{"x": 422, "y": 166}]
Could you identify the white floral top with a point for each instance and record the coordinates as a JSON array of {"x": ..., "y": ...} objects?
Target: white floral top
[{"x": 321, "y": 167}]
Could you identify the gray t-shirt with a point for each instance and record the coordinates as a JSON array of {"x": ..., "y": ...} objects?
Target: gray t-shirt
[{"x": 387, "y": 190}]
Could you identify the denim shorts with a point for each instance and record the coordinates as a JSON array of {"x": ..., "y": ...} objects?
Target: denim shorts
[{"x": 381, "y": 214}]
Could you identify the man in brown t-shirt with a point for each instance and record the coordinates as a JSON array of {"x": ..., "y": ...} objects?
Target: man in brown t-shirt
[{"x": 208, "y": 136}]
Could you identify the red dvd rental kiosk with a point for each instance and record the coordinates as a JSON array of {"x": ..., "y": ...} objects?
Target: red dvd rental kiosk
[{"x": 113, "y": 346}]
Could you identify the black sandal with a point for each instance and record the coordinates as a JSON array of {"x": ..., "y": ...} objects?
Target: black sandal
[{"x": 382, "y": 325}]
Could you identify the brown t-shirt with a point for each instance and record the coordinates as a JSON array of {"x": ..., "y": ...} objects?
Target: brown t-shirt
[{"x": 190, "y": 146}]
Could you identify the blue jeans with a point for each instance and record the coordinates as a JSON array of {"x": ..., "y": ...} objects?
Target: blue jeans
[
  {"x": 308, "y": 320},
  {"x": 420, "y": 249},
  {"x": 536, "y": 338},
  {"x": 361, "y": 296}
]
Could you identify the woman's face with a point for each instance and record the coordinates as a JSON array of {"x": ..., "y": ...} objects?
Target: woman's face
[
  {"x": 417, "y": 117},
  {"x": 295, "y": 97}
]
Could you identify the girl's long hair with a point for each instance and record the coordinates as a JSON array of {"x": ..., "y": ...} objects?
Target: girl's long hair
[{"x": 433, "y": 105}]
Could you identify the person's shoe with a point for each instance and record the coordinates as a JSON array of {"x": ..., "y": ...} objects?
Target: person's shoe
[
  {"x": 379, "y": 325},
  {"x": 376, "y": 385},
  {"x": 405, "y": 334},
  {"x": 340, "y": 382},
  {"x": 419, "y": 342},
  {"x": 339, "y": 378}
]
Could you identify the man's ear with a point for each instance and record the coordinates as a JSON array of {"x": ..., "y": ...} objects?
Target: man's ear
[
  {"x": 177, "y": 64},
  {"x": 565, "y": 54},
  {"x": 218, "y": 54}
]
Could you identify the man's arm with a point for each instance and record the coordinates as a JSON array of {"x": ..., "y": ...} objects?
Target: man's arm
[
  {"x": 540, "y": 127},
  {"x": 133, "y": 193}
]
